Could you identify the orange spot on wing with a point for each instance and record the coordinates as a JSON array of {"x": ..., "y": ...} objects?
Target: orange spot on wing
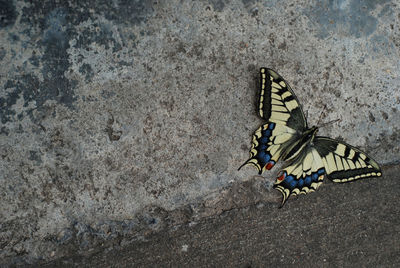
[
  {"x": 282, "y": 177},
  {"x": 269, "y": 165}
]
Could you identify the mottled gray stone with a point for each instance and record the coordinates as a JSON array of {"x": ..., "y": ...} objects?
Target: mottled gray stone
[{"x": 119, "y": 118}]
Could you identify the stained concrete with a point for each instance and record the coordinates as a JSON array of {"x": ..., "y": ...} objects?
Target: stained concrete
[{"x": 119, "y": 117}]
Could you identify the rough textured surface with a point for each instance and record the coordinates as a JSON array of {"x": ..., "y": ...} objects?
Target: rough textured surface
[
  {"x": 328, "y": 229},
  {"x": 118, "y": 117}
]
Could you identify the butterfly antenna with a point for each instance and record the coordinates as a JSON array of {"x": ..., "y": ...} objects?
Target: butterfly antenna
[
  {"x": 330, "y": 122},
  {"x": 320, "y": 116},
  {"x": 327, "y": 123}
]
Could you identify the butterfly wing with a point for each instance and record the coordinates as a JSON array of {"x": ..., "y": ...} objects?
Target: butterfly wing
[
  {"x": 277, "y": 103},
  {"x": 280, "y": 107},
  {"x": 343, "y": 162},
  {"x": 269, "y": 141},
  {"x": 340, "y": 162},
  {"x": 303, "y": 175}
]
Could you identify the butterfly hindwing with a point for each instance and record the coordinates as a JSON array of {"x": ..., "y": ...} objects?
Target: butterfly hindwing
[
  {"x": 269, "y": 141},
  {"x": 344, "y": 162},
  {"x": 277, "y": 102},
  {"x": 303, "y": 175}
]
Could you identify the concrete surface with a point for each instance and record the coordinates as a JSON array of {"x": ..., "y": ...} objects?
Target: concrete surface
[
  {"x": 119, "y": 118},
  {"x": 353, "y": 225}
]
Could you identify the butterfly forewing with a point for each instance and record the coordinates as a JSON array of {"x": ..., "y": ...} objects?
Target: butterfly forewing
[
  {"x": 277, "y": 102},
  {"x": 280, "y": 107}
]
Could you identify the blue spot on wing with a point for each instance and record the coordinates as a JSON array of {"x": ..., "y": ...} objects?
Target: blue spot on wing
[
  {"x": 293, "y": 185},
  {"x": 262, "y": 147},
  {"x": 289, "y": 179},
  {"x": 271, "y": 126},
  {"x": 266, "y": 133},
  {"x": 289, "y": 182},
  {"x": 263, "y": 157},
  {"x": 307, "y": 181}
]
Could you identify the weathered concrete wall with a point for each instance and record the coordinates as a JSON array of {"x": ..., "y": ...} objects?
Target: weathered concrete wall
[{"x": 117, "y": 116}]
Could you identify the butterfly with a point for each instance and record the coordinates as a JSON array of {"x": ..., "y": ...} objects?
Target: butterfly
[{"x": 286, "y": 136}]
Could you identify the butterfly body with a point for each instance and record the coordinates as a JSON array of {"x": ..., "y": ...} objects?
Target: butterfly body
[
  {"x": 286, "y": 136},
  {"x": 300, "y": 144}
]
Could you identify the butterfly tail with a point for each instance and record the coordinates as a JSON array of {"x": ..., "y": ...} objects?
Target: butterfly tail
[{"x": 254, "y": 163}]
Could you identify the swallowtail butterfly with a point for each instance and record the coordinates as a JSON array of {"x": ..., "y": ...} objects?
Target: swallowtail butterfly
[{"x": 286, "y": 136}]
